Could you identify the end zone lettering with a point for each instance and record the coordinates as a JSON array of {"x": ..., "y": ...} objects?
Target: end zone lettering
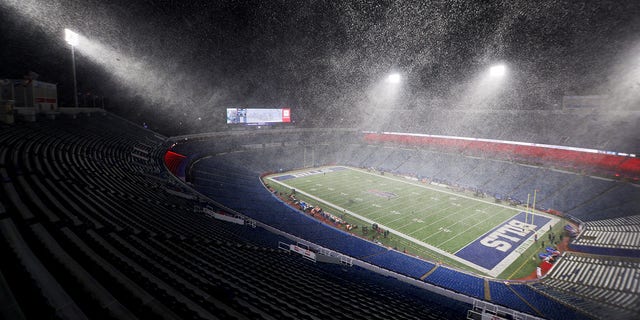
[
  {"x": 507, "y": 232},
  {"x": 494, "y": 246}
]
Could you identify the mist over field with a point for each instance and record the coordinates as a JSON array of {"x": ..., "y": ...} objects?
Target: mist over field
[{"x": 180, "y": 64}]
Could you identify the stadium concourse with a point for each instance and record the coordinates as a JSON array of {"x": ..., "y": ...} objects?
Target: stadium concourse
[{"x": 94, "y": 225}]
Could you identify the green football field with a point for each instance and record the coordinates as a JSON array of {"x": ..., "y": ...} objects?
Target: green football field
[{"x": 428, "y": 220}]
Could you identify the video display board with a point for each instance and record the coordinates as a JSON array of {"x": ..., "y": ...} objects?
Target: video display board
[{"x": 258, "y": 116}]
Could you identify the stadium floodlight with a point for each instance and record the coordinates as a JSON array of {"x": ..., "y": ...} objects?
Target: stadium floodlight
[
  {"x": 73, "y": 39},
  {"x": 497, "y": 70},
  {"x": 394, "y": 78}
]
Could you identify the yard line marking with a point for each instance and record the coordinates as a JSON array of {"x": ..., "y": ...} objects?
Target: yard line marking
[
  {"x": 434, "y": 189},
  {"x": 500, "y": 267},
  {"x": 431, "y": 223},
  {"x": 402, "y": 235},
  {"x": 461, "y": 233},
  {"x": 447, "y": 217}
]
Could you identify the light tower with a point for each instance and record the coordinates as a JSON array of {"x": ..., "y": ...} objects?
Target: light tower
[{"x": 72, "y": 39}]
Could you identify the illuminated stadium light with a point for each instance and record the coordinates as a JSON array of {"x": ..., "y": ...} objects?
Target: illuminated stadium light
[
  {"x": 73, "y": 39},
  {"x": 497, "y": 70},
  {"x": 394, "y": 78}
]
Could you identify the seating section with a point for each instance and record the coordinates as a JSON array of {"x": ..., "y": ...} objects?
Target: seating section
[
  {"x": 228, "y": 178},
  {"x": 545, "y": 306},
  {"x": 502, "y": 294},
  {"x": 398, "y": 262},
  {"x": 601, "y": 286},
  {"x": 584, "y": 197},
  {"x": 92, "y": 227},
  {"x": 532, "y": 300},
  {"x": 458, "y": 281},
  {"x": 601, "y": 129},
  {"x": 629, "y": 223},
  {"x": 619, "y": 236}
]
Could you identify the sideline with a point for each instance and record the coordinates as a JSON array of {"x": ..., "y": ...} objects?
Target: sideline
[{"x": 497, "y": 270}]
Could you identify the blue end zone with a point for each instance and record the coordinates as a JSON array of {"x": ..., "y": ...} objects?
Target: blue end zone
[{"x": 495, "y": 245}]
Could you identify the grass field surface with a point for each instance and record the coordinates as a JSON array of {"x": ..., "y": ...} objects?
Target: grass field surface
[{"x": 425, "y": 219}]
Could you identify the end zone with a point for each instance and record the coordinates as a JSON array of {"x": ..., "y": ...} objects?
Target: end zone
[
  {"x": 491, "y": 253},
  {"x": 496, "y": 245}
]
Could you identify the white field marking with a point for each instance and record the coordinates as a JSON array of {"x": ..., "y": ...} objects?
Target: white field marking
[
  {"x": 396, "y": 219},
  {"x": 399, "y": 234},
  {"x": 405, "y": 206},
  {"x": 394, "y": 212},
  {"x": 343, "y": 194},
  {"x": 428, "y": 215},
  {"x": 425, "y": 211},
  {"x": 376, "y": 205},
  {"x": 443, "y": 218},
  {"x": 438, "y": 190},
  {"x": 460, "y": 233},
  {"x": 473, "y": 226},
  {"x": 499, "y": 268},
  {"x": 331, "y": 189},
  {"x": 515, "y": 254},
  {"x": 437, "y": 212},
  {"x": 508, "y": 260}
]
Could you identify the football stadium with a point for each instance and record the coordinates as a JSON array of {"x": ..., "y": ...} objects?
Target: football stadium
[{"x": 319, "y": 160}]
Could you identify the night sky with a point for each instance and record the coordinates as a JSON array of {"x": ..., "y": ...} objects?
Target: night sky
[{"x": 186, "y": 59}]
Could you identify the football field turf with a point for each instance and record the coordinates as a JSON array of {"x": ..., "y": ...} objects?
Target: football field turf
[{"x": 470, "y": 231}]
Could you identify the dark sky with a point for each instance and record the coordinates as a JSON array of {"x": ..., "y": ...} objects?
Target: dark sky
[{"x": 319, "y": 56}]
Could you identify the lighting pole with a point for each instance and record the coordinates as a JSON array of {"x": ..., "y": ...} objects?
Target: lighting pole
[{"x": 72, "y": 39}]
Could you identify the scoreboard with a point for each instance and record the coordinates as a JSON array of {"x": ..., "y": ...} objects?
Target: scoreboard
[{"x": 258, "y": 116}]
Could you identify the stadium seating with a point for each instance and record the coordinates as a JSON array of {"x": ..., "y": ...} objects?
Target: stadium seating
[
  {"x": 620, "y": 236},
  {"x": 598, "y": 129},
  {"x": 577, "y": 194},
  {"x": 398, "y": 262},
  {"x": 544, "y": 305},
  {"x": 584, "y": 197},
  {"x": 89, "y": 229},
  {"x": 500, "y": 293},
  {"x": 602, "y": 286},
  {"x": 224, "y": 178},
  {"x": 457, "y": 281}
]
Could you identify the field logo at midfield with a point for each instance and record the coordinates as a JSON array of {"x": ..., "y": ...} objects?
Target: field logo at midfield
[
  {"x": 495, "y": 245},
  {"x": 382, "y": 194}
]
